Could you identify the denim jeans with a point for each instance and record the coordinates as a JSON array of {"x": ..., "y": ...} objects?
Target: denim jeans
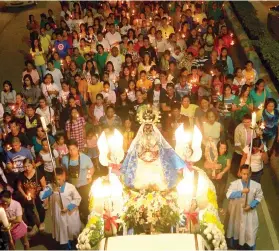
[{"x": 41, "y": 70}]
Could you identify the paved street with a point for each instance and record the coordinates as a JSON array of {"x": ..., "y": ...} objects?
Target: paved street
[{"x": 13, "y": 48}]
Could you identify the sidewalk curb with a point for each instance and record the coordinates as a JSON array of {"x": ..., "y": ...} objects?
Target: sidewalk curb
[{"x": 245, "y": 42}]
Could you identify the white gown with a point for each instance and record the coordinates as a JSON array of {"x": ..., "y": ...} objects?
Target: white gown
[
  {"x": 65, "y": 226},
  {"x": 243, "y": 226}
]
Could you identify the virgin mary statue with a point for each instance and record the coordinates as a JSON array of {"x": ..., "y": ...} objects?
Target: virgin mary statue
[{"x": 151, "y": 163}]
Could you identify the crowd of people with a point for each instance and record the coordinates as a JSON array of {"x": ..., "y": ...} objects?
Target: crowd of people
[{"x": 92, "y": 65}]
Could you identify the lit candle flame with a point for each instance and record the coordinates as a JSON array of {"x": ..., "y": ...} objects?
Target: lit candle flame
[
  {"x": 232, "y": 42},
  {"x": 29, "y": 196}
]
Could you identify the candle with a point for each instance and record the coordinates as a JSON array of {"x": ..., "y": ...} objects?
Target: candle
[
  {"x": 260, "y": 106},
  {"x": 254, "y": 117},
  {"x": 9, "y": 147},
  {"x": 61, "y": 62},
  {"x": 231, "y": 34},
  {"x": 88, "y": 176},
  {"x": 44, "y": 125},
  {"x": 53, "y": 49},
  {"x": 262, "y": 126},
  {"x": 29, "y": 196},
  {"x": 212, "y": 73},
  {"x": 232, "y": 42}
]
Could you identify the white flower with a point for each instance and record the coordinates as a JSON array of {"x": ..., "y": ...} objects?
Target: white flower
[
  {"x": 87, "y": 246},
  {"x": 209, "y": 236},
  {"x": 206, "y": 231}
]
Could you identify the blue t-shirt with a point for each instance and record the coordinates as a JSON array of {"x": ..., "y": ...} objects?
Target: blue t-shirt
[
  {"x": 62, "y": 48},
  {"x": 38, "y": 147},
  {"x": 85, "y": 165},
  {"x": 17, "y": 158}
]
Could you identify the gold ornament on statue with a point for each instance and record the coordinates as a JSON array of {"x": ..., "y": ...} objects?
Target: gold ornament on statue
[{"x": 148, "y": 114}]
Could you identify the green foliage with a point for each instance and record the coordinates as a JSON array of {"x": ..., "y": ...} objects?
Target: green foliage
[{"x": 266, "y": 46}]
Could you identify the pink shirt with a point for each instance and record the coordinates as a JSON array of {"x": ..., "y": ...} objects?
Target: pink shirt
[
  {"x": 34, "y": 75},
  {"x": 14, "y": 210}
]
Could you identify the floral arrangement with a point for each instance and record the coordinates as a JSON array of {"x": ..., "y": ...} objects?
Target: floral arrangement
[
  {"x": 156, "y": 209},
  {"x": 212, "y": 198},
  {"x": 92, "y": 234},
  {"x": 214, "y": 237}
]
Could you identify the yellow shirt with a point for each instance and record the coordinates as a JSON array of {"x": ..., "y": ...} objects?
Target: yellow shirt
[
  {"x": 189, "y": 112},
  {"x": 38, "y": 57},
  {"x": 167, "y": 31},
  {"x": 84, "y": 50},
  {"x": 147, "y": 84},
  {"x": 45, "y": 42},
  {"x": 93, "y": 90}
]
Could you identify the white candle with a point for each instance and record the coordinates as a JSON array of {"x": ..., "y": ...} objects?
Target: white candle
[
  {"x": 253, "y": 119},
  {"x": 43, "y": 121}
]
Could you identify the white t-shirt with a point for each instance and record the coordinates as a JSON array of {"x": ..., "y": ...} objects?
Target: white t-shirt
[
  {"x": 98, "y": 112},
  {"x": 156, "y": 99},
  {"x": 104, "y": 43},
  {"x": 256, "y": 159},
  {"x": 57, "y": 76},
  {"x": 47, "y": 160},
  {"x": 113, "y": 38},
  {"x": 117, "y": 62},
  {"x": 63, "y": 13},
  {"x": 51, "y": 87},
  {"x": 125, "y": 29},
  {"x": 161, "y": 45},
  {"x": 48, "y": 114}
]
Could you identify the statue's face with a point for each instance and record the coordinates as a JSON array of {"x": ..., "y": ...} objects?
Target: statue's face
[{"x": 148, "y": 128}]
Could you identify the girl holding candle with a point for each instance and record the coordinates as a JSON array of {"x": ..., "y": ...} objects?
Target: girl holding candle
[
  {"x": 30, "y": 183},
  {"x": 218, "y": 168},
  {"x": 259, "y": 95},
  {"x": 242, "y": 104},
  {"x": 270, "y": 119},
  {"x": 224, "y": 107},
  {"x": 239, "y": 79},
  {"x": 258, "y": 159},
  {"x": 250, "y": 73},
  {"x": 8, "y": 96}
]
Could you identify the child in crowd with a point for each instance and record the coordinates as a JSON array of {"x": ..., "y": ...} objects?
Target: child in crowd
[
  {"x": 60, "y": 146},
  {"x": 14, "y": 214},
  {"x": 128, "y": 134},
  {"x": 91, "y": 146},
  {"x": 64, "y": 202}
]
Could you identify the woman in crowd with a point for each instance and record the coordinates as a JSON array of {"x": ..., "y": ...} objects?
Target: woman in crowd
[
  {"x": 242, "y": 104},
  {"x": 75, "y": 128},
  {"x": 110, "y": 119},
  {"x": 30, "y": 94},
  {"x": 270, "y": 119},
  {"x": 259, "y": 95},
  {"x": 37, "y": 54},
  {"x": 8, "y": 95},
  {"x": 217, "y": 164},
  {"x": 258, "y": 158},
  {"x": 30, "y": 183},
  {"x": 211, "y": 129}
]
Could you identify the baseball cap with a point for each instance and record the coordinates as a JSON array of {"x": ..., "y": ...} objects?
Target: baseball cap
[{"x": 157, "y": 81}]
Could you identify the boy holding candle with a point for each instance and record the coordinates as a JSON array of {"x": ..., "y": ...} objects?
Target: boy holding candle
[
  {"x": 64, "y": 202},
  {"x": 244, "y": 195}
]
